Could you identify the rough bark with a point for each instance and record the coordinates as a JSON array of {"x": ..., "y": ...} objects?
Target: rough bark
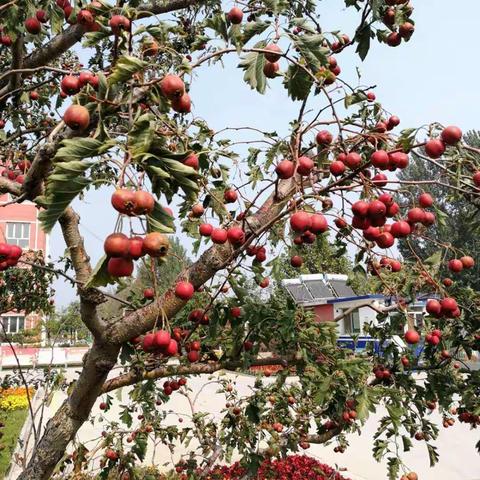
[{"x": 63, "y": 426}]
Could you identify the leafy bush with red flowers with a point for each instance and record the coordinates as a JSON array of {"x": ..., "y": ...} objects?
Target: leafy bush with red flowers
[{"x": 293, "y": 467}]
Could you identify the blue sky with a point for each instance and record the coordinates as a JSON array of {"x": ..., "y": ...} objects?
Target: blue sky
[{"x": 434, "y": 77}]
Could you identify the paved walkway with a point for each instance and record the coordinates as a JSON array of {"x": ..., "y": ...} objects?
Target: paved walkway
[{"x": 458, "y": 457}]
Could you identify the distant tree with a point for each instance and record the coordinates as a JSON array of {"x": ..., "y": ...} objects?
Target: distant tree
[
  {"x": 66, "y": 325},
  {"x": 458, "y": 224}
]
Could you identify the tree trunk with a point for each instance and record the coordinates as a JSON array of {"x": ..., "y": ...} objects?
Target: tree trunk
[{"x": 63, "y": 426}]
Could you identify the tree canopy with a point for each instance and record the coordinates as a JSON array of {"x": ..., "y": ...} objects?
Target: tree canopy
[{"x": 99, "y": 95}]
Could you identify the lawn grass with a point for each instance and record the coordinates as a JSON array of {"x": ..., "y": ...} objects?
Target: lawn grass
[{"x": 13, "y": 421}]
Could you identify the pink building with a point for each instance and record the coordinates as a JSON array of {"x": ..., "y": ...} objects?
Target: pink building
[{"x": 19, "y": 225}]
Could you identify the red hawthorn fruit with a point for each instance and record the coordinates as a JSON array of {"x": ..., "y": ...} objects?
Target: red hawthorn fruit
[
  {"x": 416, "y": 215},
  {"x": 406, "y": 30},
  {"x": 41, "y": 16},
  {"x": 448, "y": 282},
  {"x": 400, "y": 229},
  {"x": 235, "y": 16},
  {"x": 337, "y": 168},
  {"x": 425, "y": 200},
  {"x": 360, "y": 208},
  {"x": 76, "y": 117},
  {"x": 219, "y": 235},
  {"x": 172, "y": 348},
  {"x": 144, "y": 203},
  {"x": 380, "y": 159},
  {"x": 300, "y": 221},
  {"x": 247, "y": 345},
  {"x": 451, "y": 135},
  {"x": 119, "y": 23},
  {"x": 353, "y": 160},
  {"x": 380, "y": 180},
  {"x": 197, "y": 210},
  {"x": 230, "y": 196},
  {"x": 184, "y": 290},
  {"x": 429, "y": 218},
  {"x": 193, "y": 356},
  {"x": 236, "y": 312},
  {"x": 270, "y": 69},
  {"x": 172, "y": 86},
  {"x": 393, "y": 122},
  {"x": 318, "y": 223},
  {"x": 149, "y": 293},
  {"x": 123, "y": 201},
  {"x": 434, "y": 148},
  {"x": 116, "y": 245},
  {"x": 161, "y": 339},
  {"x": 433, "y": 307},
  {"x": 341, "y": 223},
  {"x": 398, "y": 160},
  {"x": 467, "y": 261},
  {"x": 305, "y": 166},
  {"x": 155, "y": 244},
  {"x": 120, "y": 267},
  {"x": 455, "y": 265},
  {"x": 182, "y": 104},
  {"x": 205, "y": 229},
  {"x": 376, "y": 208},
  {"x": 394, "y": 39},
  {"x": 449, "y": 304},
  {"x": 85, "y": 17},
  {"x": 412, "y": 337},
  {"x": 385, "y": 240},
  {"x": 264, "y": 283},
  {"x": 235, "y": 235},
  {"x": 111, "y": 455},
  {"x": 192, "y": 161},
  {"x": 70, "y": 85},
  {"x": 371, "y": 97},
  {"x": 476, "y": 179},
  {"x": 33, "y": 25},
  {"x": 324, "y": 137},
  {"x": 274, "y": 53},
  {"x": 285, "y": 169},
  {"x": 296, "y": 261}
]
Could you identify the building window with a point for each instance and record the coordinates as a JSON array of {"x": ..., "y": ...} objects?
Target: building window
[
  {"x": 352, "y": 323},
  {"x": 18, "y": 234},
  {"x": 13, "y": 323}
]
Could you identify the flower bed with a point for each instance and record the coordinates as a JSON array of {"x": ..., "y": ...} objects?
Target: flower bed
[
  {"x": 14, "y": 398},
  {"x": 293, "y": 467}
]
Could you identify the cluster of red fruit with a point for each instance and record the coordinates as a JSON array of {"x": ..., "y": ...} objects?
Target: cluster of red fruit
[
  {"x": 17, "y": 172},
  {"x": 405, "y": 30},
  {"x": 171, "y": 386},
  {"x": 371, "y": 217},
  {"x": 9, "y": 255},
  {"x": 173, "y": 88},
  {"x": 457, "y": 265},
  {"x": 287, "y": 169},
  {"x": 446, "y": 307},
  {"x": 291, "y": 467},
  {"x": 122, "y": 250},
  {"x": 468, "y": 417},
  {"x": 162, "y": 343},
  {"x": 72, "y": 84},
  {"x": 381, "y": 372}
]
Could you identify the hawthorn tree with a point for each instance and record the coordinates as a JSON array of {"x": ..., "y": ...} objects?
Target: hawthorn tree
[{"x": 125, "y": 119}]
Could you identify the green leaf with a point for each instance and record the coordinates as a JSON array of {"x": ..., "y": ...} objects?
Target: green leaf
[
  {"x": 160, "y": 221},
  {"x": 253, "y": 64},
  {"x": 100, "y": 276},
  {"x": 393, "y": 468},
  {"x": 125, "y": 68},
  {"x": 432, "y": 454},
  {"x": 81, "y": 148},
  {"x": 363, "y": 38},
  {"x": 218, "y": 23},
  {"x": 254, "y": 28},
  {"x": 298, "y": 82},
  {"x": 311, "y": 49},
  {"x": 141, "y": 135},
  {"x": 63, "y": 185}
]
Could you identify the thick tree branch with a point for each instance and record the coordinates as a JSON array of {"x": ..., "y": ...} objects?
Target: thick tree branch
[
  {"x": 133, "y": 377},
  {"x": 9, "y": 186},
  {"x": 157, "y": 7},
  {"x": 213, "y": 260}
]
